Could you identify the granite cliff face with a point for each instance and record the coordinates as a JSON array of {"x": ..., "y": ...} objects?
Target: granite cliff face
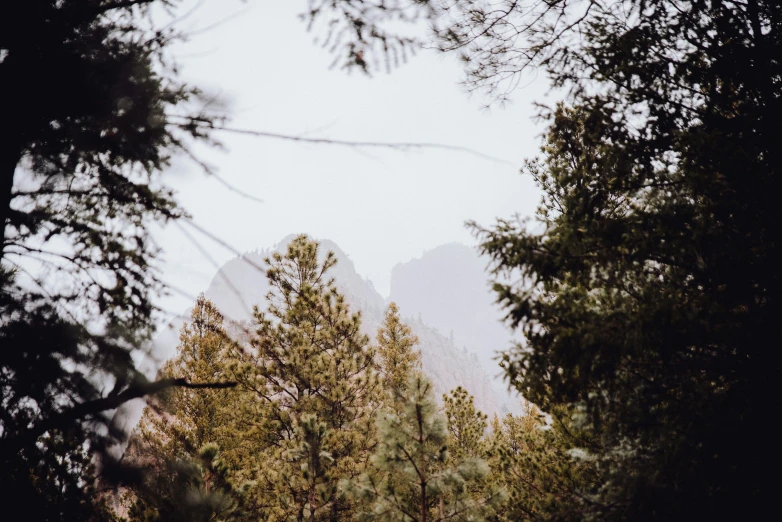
[{"x": 449, "y": 287}]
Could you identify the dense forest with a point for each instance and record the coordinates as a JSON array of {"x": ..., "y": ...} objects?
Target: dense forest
[{"x": 645, "y": 289}]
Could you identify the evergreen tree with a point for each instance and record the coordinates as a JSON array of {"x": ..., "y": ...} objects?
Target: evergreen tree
[
  {"x": 85, "y": 89},
  {"x": 398, "y": 361},
  {"x": 195, "y": 490},
  {"x": 93, "y": 110},
  {"x": 181, "y": 433},
  {"x": 543, "y": 467},
  {"x": 313, "y": 376},
  {"x": 417, "y": 481},
  {"x": 649, "y": 293},
  {"x": 466, "y": 425},
  {"x": 49, "y": 483},
  {"x": 195, "y": 418},
  {"x": 466, "y": 437}
]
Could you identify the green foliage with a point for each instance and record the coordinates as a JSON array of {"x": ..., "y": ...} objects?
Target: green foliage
[
  {"x": 180, "y": 435},
  {"x": 397, "y": 359},
  {"x": 368, "y": 35},
  {"x": 295, "y": 444},
  {"x": 649, "y": 302},
  {"x": 649, "y": 298},
  {"x": 412, "y": 477},
  {"x": 93, "y": 111},
  {"x": 86, "y": 87},
  {"x": 312, "y": 465},
  {"x": 544, "y": 468},
  {"x": 188, "y": 491},
  {"x": 198, "y": 417},
  {"x": 49, "y": 483},
  {"x": 466, "y": 425},
  {"x": 312, "y": 377}
]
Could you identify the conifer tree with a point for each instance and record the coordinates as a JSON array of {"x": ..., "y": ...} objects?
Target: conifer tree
[
  {"x": 648, "y": 293},
  {"x": 313, "y": 377},
  {"x": 180, "y": 435},
  {"x": 196, "y": 490},
  {"x": 398, "y": 360},
  {"x": 418, "y": 481},
  {"x": 466, "y": 425},
  {"x": 543, "y": 467},
  {"x": 193, "y": 418},
  {"x": 466, "y": 436},
  {"x": 93, "y": 111}
]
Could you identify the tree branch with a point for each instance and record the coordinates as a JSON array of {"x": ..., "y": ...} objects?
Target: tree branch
[
  {"x": 121, "y": 5},
  {"x": 196, "y": 123},
  {"x": 92, "y": 408}
]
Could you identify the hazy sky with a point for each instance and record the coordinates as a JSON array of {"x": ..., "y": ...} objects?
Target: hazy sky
[{"x": 382, "y": 207}]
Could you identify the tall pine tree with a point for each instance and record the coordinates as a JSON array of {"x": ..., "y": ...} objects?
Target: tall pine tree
[
  {"x": 649, "y": 291},
  {"x": 466, "y": 425},
  {"x": 397, "y": 359},
  {"x": 182, "y": 434},
  {"x": 313, "y": 377}
]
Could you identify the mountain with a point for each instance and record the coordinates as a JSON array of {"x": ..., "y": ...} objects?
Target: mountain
[{"x": 240, "y": 283}]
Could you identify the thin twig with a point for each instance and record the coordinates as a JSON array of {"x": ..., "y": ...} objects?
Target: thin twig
[{"x": 205, "y": 124}]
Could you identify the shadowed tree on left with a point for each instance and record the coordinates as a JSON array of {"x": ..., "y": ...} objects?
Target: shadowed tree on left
[
  {"x": 92, "y": 110},
  {"x": 86, "y": 92}
]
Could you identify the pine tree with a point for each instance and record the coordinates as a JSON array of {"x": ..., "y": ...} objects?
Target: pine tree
[
  {"x": 93, "y": 110},
  {"x": 194, "y": 490},
  {"x": 313, "y": 377},
  {"x": 86, "y": 86},
  {"x": 182, "y": 432},
  {"x": 415, "y": 480},
  {"x": 189, "y": 419},
  {"x": 544, "y": 467},
  {"x": 648, "y": 292},
  {"x": 466, "y": 425},
  {"x": 397, "y": 359}
]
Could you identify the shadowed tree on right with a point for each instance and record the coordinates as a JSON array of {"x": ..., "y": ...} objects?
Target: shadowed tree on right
[{"x": 648, "y": 289}]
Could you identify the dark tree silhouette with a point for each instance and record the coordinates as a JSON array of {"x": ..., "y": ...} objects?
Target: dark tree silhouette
[
  {"x": 86, "y": 90},
  {"x": 651, "y": 297},
  {"x": 91, "y": 110}
]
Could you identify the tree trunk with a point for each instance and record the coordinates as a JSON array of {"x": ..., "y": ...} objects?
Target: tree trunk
[
  {"x": 423, "y": 501},
  {"x": 311, "y": 499},
  {"x": 9, "y": 158}
]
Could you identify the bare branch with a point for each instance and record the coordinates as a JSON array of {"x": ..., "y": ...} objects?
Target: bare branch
[
  {"x": 189, "y": 123},
  {"x": 93, "y": 408}
]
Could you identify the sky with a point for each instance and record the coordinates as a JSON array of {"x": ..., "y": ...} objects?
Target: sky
[{"x": 380, "y": 206}]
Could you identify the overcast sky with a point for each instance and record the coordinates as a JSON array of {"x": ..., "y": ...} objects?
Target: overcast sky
[{"x": 382, "y": 207}]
